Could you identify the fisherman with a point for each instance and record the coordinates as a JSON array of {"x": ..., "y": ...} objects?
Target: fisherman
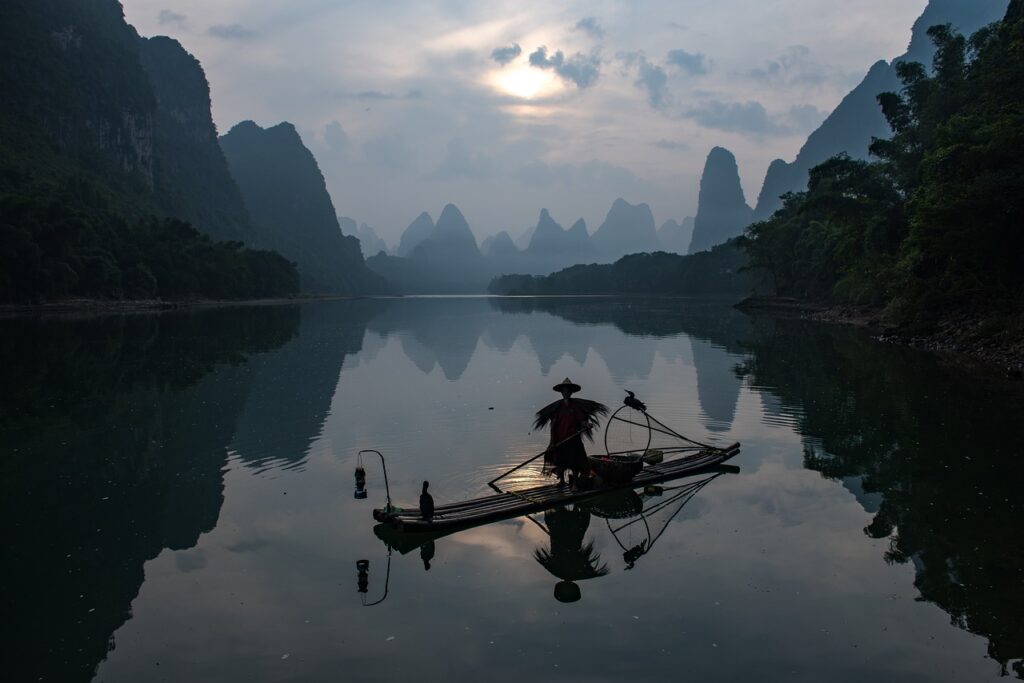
[{"x": 571, "y": 419}]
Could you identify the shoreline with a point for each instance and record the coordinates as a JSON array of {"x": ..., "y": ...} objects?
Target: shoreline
[
  {"x": 991, "y": 343},
  {"x": 87, "y": 307}
]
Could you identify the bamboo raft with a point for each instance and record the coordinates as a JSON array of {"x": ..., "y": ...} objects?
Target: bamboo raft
[{"x": 517, "y": 503}]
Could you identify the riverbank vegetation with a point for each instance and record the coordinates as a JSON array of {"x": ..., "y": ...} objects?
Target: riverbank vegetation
[
  {"x": 718, "y": 271},
  {"x": 70, "y": 244},
  {"x": 930, "y": 229}
]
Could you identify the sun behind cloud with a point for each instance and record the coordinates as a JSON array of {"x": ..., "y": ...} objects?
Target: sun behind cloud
[{"x": 524, "y": 82}]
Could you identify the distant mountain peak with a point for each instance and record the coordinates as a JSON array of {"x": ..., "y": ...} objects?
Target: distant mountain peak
[
  {"x": 674, "y": 237},
  {"x": 451, "y": 212},
  {"x": 579, "y": 228},
  {"x": 502, "y": 245},
  {"x": 548, "y": 237},
  {"x": 419, "y": 230},
  {"x": 722, "y": 211},
  {"x": 451, "y": 222},
  {"x": 627, "y": 229}
]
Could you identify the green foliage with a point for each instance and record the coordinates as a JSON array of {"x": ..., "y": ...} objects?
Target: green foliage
[
  {"x": 93, "y": 173},
  {"x": 839, "y": 239},
  {"x": 717, "y": 271},
  {"x": 932, "y": 226},
  {"x": 71, "y": 243}
]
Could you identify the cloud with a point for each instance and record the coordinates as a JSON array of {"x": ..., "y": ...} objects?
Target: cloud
[
  {"x": 504, "y": 55},
  {"x": 752, "y": 119},
  {"x": 793, "y": 67},
  {"x": 230, "y": 32},
  {"x": 337, "y": 139},
  {"x": 580, "y": 69},
  {"x": 749, "y": 118},
  {"x": 169, "y": 18},
  {"x": 462, "y": 162},
  {"x": 693, "y": 63},
  {"x": 590, "y": 25},
  {"x": 381, "y": 95},
  {"x": 390, "y": 153},
  {"x": 664, "y": 143},
  {"x": 189, "y": 560},
  {"x": 806, "y": 117},
  {"x": 653, "y": 79},
  {"x": 589, "y": 174}
]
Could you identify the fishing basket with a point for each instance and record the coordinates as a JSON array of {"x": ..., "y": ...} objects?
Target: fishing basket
[{"x": 616, "y": 469}]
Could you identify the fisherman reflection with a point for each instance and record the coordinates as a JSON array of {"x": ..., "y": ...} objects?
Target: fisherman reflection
[{"x": 570, "y": 559}]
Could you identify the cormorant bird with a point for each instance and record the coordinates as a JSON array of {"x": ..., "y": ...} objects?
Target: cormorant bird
[
  {"x": 427, "y": 554},
  {"x": 633, "y": 402},
  {"x": 426, "y": 503}
]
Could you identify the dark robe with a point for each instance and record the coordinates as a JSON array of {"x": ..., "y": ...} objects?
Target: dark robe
[{"x": 570, "y": 421}]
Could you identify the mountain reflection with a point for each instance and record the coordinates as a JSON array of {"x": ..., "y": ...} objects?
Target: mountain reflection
[
  {"x": 436, "y": 331},
  {"x": 718, "y": 387},
  {"x": 716, "y": 333},
  {"x": 292, "y": 387},
  {"x": 115, "y": 433},
  {"x": 893, "y": 428}
]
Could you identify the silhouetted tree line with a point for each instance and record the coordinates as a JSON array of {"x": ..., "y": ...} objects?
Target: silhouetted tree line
[
  {"x": 69, "y": 242},
  {"x": 933, "y": 225},
  {"x": 717, "y": 271}
]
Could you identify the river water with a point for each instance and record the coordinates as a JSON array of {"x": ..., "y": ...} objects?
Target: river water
[{"x": 178, "y": 498}]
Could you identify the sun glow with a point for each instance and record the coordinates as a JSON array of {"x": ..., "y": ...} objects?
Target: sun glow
[{"x": 524, "y": 82}]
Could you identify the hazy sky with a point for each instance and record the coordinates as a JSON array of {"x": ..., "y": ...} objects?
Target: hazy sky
[{"x": 507, "y": 107}]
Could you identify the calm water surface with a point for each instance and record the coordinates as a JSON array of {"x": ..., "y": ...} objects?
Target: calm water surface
[{"x": 178, "y": 498}]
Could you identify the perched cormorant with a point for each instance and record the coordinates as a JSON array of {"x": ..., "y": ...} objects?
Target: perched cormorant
[
  {"x": 633, "y": 402},
  {"x": 426, "y": 503}
]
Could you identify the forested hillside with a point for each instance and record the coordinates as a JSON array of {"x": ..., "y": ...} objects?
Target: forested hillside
[
  {"x": 718, "y": 271},
  {"x": 89, "y": 191},
  {"x": 931, "y": 227}
]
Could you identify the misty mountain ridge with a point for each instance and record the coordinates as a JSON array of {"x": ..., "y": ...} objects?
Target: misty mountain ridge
[
  {"x": 858, "y": 118},
  {"x": 500, "y": 246},
  {"x": 287, "y": 198},
  {"x": 420, "y": 229},
  {"x": 447, "y": 260},
  {"x": 674, "y": 237},
  {"x": 370, "y": 242},
  {"x": 550, "y": 238},
  {"x": 627, "y": 229}
]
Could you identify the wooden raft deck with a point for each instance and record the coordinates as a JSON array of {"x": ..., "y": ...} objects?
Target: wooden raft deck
[{"x": 514, "y": 504}]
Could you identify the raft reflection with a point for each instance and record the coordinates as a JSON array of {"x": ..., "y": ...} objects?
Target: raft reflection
[{"x": 570, "y": 555}]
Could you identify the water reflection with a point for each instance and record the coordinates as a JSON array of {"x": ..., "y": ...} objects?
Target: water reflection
[
  {"x": 923, "y": 450},
  {"x": 716, "y": 333},
  {"x": 569, "y": 558},
  {"x": 120, "y": 436},
  {"x": 718, "y": 387},
  {"x": 569, "y": 555},
  {"x": 293, "y": 386},
  {"x": 115, "y": 433},
  {"x": 435, "y": 332}
]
